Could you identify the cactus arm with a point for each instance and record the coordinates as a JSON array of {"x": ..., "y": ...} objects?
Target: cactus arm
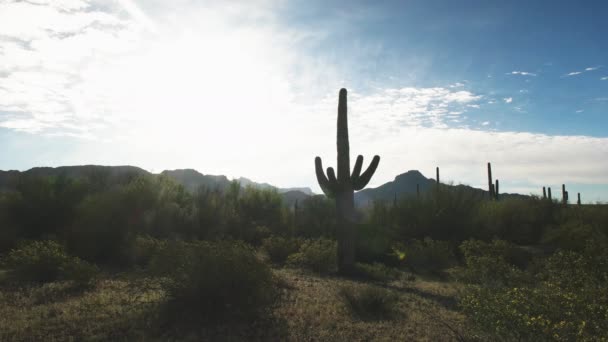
[
  {"x": 367, "y": 175},
  {"x": 331, "y": 175},
  {"x": 324, "y": 183},
  {"x": 357, "y": 169}
]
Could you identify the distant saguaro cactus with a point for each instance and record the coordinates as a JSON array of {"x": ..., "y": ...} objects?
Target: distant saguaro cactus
[
  {"x": 549, "y": 193},
  {"x": 564, "y": 195},
  {"x": 342, "y": 188},
  {"x": 490, "y": 183},
  {"x": 437, "y": 175},
  {"x": 578, "y": 201},
  {"x": 544, "y": 193},
  {"x": 496, "y": 190}
]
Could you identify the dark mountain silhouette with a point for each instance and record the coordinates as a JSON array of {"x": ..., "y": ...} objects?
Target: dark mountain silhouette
[
  {"x": 106, "y": 175},
  {"x": 404, "y": 185},
  {"x": 192, "y": 179}
]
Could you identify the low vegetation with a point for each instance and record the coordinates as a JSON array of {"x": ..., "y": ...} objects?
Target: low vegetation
[{"x": 143, "y": 259}]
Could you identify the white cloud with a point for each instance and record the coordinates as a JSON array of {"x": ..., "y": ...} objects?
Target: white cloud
[
  {"x": 508, "y": 99},
  {"x": 485, "y": 123},
  {"x": 580, "y": 111},
  {"x": 522, "y": 73},
  {"x": 604, "y": 78},
  {"x": 574, "y": 73},
  {"x": 457, "y": 85}
]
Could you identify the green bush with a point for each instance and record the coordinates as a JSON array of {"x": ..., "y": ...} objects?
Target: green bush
[
  {"x": 146, "y": 248},
  {"x": 567, "y": 301},
  {"x": 318, "y": 255},
  {"x": 46, "y": 261},
  {"x": 279, "y": 248},
  {"x": 428, "y": 255},
  {"x": 377, "y": 271},
  {"x": 489, "y": 263},
  {"x": 208, "y": 281},
  {"x": 572, "y": 235},
  {"x": 368, "y": 302}
]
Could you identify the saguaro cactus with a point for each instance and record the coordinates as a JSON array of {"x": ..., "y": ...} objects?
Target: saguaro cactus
[
  {"x": 342, "y": 188},
  {"x": 490, "y": 183},
  {"x": 549, "y": 193},
  {"x": 437, "y": 175},
  {"x": 544, "y": 193},
  {"x": 496, "y": 190},
  {"x": 564, "y": 195},
  {"x": 578, "y": 201}
]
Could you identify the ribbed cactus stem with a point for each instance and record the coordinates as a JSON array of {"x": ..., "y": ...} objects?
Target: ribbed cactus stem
[
  {"x": 437, "y": 175},
  {"x": 342, "y": 140},
  {"x": 342, "y": 187},
  {"x": 490, "y": 183}
]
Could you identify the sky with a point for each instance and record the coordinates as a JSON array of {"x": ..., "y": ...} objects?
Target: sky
[{"x": 250, "y": 88}]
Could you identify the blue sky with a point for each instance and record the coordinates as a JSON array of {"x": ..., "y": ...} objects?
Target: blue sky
[{"x": 250, "y": 88}]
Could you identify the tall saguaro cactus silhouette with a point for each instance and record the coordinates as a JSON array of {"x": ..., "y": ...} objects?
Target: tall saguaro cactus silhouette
[{"x": 343, "y": 187}]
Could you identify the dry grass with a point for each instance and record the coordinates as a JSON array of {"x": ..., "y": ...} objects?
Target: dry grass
[{"x": 310, "y": 310}]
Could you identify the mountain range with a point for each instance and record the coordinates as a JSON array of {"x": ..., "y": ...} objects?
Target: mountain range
[{"x": 405, "y": 184}]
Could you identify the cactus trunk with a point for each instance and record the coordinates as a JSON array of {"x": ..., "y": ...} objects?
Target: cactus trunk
[
  {"x": 544, "y": 193},
  {"x": 496, "y": 190},
  {"x": 578, "y": 201},
  {"x": 343, "y": 187},
  {"x": 490, "y": 183},
  {"x": 549, "y": 193}
]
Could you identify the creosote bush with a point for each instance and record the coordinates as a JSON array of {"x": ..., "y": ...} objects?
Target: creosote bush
[
  {"x": 377, "y": 272},
  {"x": 214, "y": 281},
  {"x": 280, "y": 248},
  {"x": 318, "y": 255},
  {"x": 428, "y": 255},
  {"x": 47, "y": 261},
  {"x": 368, "y": 302}
]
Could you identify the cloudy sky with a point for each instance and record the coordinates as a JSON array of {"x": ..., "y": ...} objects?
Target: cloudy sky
[{"x": 250, "y": 88}]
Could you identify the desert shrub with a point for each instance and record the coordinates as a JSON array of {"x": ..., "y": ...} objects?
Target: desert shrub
[
  {"x": 146, "y": 248},
  {"x": 489, "y": 263},
  {"x": 221, "y": 281},
  {"x": 572, "y": 235},
  {"x": 377, "y": 271},
  {"x": 318, "y": 255},
  {"x": 566, "y": 302},
  {"x": 521, "y": 221},
  {"x": 316, "y": 217},
  {"x": 428, "y": 255},
  {"x": 46, "y": 261},
  {"x": 80, "y": 272},
  {"x": 373, "y": 244},
  {"x": 368, "y": 301},
  {"x": 447, "y": 214},
  {"x": 280, "y": 248}
]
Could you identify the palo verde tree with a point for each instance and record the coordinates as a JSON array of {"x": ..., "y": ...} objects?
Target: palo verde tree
[{"x": 342, "y": 188}]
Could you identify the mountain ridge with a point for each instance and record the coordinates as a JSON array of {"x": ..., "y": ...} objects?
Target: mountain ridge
[{"x": 403, "y": 185}]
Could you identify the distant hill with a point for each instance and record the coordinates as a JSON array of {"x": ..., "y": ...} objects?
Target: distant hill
[
  {"x": 189, "y": 178},
  {"x": 192, "y": 179},
  {"x": 404, "y": 185}
]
